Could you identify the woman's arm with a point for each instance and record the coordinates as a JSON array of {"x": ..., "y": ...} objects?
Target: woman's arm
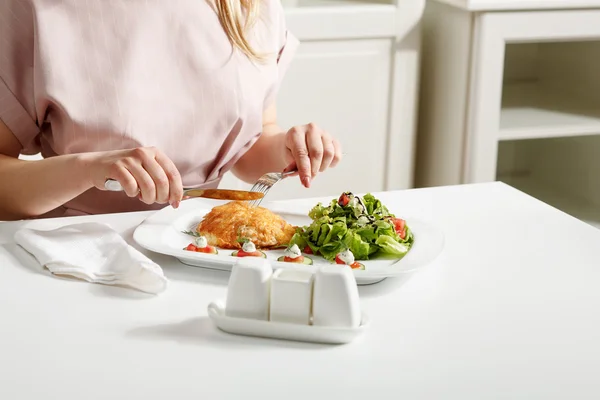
[
  {"x": 32, "y": 188},
  {"x": 306, "y": 147},
  {"x": 267, "y": 154}
]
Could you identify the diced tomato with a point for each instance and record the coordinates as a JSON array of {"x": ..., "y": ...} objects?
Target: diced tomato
[
  {"x": 308, "y": 250},
  {"x": 344, "y": 200},
  {"x": 191, "y": 247},
  {"x": 207, "y": 249},
  {"x": 400, "y": 227},
  {"x": 294, "y": 260},
  {"x": 354, "y": 265},
  {"x": 399, "y": 224},
  {"x": 242, "y": 253}
]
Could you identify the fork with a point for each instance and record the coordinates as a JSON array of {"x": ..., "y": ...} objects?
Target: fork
[{"x": 266, "y": 182}]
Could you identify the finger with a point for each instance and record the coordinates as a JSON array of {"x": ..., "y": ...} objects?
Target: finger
[
  {"x": 338, "y": 153},
  {"x": 145, "y": 183},
  {"x": 175, "y": 192},
  {"x": 291, "y": 167},
  {"x": 300, "y": 153},
  {"x": 328, "y": 152},
  {"x": 124, "y": 177},
  {"x": 315, "y": 149},
  {"x": 161, "y": 182},
  {"x": 162, "y": 171}
]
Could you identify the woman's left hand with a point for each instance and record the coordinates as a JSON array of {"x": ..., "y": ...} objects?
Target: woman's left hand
[{"x": 311, "y": 150}]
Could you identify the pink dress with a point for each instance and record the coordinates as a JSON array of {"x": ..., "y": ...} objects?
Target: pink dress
[{"x": 93, "y": 75}]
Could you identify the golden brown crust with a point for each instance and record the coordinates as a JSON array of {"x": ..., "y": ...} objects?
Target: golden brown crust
[{"x": 225, "y": 224}]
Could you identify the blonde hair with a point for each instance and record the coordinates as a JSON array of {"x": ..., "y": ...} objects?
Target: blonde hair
[{"x": 235, "y": 16}]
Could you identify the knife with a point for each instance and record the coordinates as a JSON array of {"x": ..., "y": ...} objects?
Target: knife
[{"x": 218, "y": 194}]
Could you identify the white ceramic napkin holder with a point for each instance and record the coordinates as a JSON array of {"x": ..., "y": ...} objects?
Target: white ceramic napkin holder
[{"x": 299, "y": 303}]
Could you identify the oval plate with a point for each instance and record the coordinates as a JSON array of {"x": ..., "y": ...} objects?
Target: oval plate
[{"x": 163, "y": 232}]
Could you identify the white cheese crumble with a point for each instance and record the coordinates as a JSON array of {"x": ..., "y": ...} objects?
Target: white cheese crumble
[
  {"x": 356, "y": 205},
  {"x": 249, "y": 247},
  {"x": 293, "y": 252},
  {"x": 362, "y": 220},
  {"x": 201, "y": 242},
  {"x": 347, "y": 257}
]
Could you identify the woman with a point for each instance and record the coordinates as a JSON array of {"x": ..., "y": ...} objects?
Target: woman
[{"x": 155, "y": 94}]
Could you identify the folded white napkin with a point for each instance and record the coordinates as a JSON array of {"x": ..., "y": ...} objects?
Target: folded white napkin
[{"x": 93, "y": 252}]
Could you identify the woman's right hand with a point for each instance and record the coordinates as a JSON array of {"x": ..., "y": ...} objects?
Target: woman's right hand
[{"x": 143, "y": 172}]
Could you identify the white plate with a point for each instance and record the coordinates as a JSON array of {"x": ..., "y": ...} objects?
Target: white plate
[
  {"x": 162, "y": 232},
  {"x": 278, "y": 330}
]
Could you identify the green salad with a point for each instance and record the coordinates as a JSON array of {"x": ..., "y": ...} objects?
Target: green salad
[{"x": 362, "y": 225}]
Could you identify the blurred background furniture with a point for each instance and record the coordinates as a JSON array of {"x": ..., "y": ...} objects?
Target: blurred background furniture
[{"x": 510, "y": 92}]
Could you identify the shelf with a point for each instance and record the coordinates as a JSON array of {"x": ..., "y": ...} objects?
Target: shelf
[
  {"x": 530, "y": 111},
  {"x": 507, "y": 5},
  {"x": 578, "y": 208},
  {"x": 348, "y": 19},
  {"x": 333, "y": 3}
]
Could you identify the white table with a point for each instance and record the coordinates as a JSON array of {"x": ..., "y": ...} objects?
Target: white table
[{"x": 509, "y": 310}]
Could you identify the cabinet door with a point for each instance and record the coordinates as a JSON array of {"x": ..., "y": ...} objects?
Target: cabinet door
[{"x": 343, "y": 86}]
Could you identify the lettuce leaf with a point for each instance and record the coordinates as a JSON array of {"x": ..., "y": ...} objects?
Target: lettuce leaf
[
  {"x": 375, "y": 207},
  {"x": 318, "y": 211},
  {"x": 331, "y": 249},
  {"x": 389, "y": 245},
  {"x": 298, "y": 240},
  {"x": 357, "y": 246},
  {"x": 337, "y": 232}
]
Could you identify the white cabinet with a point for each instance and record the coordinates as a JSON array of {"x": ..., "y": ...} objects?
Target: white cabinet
[
  {"x": 356, "y": 75},
  {"x": 513, "y": 96}
]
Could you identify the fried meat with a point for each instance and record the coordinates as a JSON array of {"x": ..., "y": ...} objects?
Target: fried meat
[{"x": 224, "y": 225}]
